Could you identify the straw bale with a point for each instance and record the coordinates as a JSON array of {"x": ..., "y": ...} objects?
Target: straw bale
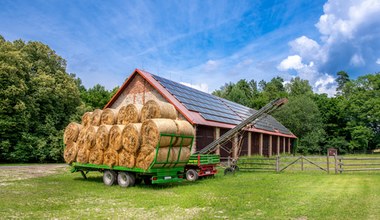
[
  {"x": 102, "y": 136},
  {"x": 122, "y": 116},
  {"x": 96, "y": 156},
  {"x": 81, "y": 141},
  {"x": 111, "y": 157},
  {"x": 70, "y": 152},
  {"x": 184, "y": 128},
  {"x": 184, "y": 156},
  {"x": 86, "y": 119},
  {"x": 131, "y": 137},
  {"x": 131, "y": 113},
  {"x": 126, "y": 159},
  {"x": 152, "y": 128},
  {"x": 96, "y": 115},
  {"x": 115, "y": 138},
  {"x": 83, "y": 155},
  {"x": 90, "y": 137},
  {"x": 157, "y": 109},
  {"x": 71, "y": 132},
  {"x": 109, "y": 116}
]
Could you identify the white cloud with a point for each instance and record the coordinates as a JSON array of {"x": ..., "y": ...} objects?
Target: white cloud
[
  {"x": 200, "y": 86},
  {"x": 349, "y": 33},
  {"x": 291, "y": 62},
  {"x": 211, "y": 65}
]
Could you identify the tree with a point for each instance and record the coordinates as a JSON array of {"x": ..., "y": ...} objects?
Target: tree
[
  {"x": 37, "y": 98},
  {"x": 298, "y": 86},
  {"x": 301, "y": 115},
  {"x": 342, "y": 79}
]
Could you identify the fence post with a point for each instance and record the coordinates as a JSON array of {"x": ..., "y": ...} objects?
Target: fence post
[
  {"x": 328, "y": 163},
  {"x": 302, "y": 162},
  {"x": 340, "y": 165},
  {"x": 336, "y": 164},
  {"x": 277, "y": 164}
]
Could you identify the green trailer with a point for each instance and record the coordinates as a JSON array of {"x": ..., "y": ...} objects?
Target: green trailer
[{"x": 158, "y": 172}]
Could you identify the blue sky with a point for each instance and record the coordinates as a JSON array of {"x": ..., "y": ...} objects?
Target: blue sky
[{"x": 203, "y": 44}]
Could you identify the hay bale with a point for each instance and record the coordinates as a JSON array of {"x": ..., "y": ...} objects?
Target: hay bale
[
  {"x": 71, "y": 132},
  {"x": 102, "y": 136},
  {"x": 96, "y": 115},
  {"x": 133, "y": 113},
  {"x": 111, "y": 157},
  {"x": 96, "y": 156},
  {"x": 122, "y": 116},
  {"x": 81, "y": 141},
  {"x": 144, "y": 151},
  {"x": 70, "y": 152},
  {"x": 157, "y": 109},
  {"x": 126, "y": 159},
  {"x": 152, "y": 128},
  {"x": 90, "y": 137},
  {"x": 83, "y": 155},
  {"x": 86, "y": 119},
  {"x": 109, "y": 116},
  {"x": 115, "y": 138},
  {"x": 184, "y": 128},
  {"x": 183, "y": 156},
  {"x": 131, "y": 137}
]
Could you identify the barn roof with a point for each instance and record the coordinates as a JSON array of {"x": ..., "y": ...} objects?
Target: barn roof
[{"x": 205, "y": 109}]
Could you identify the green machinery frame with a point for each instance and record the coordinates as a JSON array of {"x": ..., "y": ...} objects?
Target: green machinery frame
[{"x": 168, "y": 171}]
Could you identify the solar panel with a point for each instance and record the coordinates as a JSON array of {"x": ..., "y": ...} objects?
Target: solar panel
[{"x": 217, "y": 109}]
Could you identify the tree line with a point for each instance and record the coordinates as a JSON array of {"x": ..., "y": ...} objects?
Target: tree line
[
  {"x": 349, "y": 121},
  {"x": 39, "y": 98}
]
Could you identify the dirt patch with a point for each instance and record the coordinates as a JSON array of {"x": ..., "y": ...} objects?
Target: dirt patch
[{"x": 8, "y": 174}]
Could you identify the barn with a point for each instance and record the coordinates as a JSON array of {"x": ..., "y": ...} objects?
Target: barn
[{"x": 211, "y": 116}]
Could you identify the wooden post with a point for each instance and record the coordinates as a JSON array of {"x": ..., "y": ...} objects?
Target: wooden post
[
  {"x": 249, "y": 144},
  {"x": 328, "y": 163},
  {"x": 340, "y": 165},
  {"x": 284, "y": 145},
  {"x": 270, "y": 146},
  {"x": 194, "y": 148},
  {"x": 302, "y": 163},
  {"x": 288, "y": 145},
  {"x": 277, "y": 163},
  {"x": 278, "y": 145},
  {"x": 235, "y": 146},
  {"x": 261, "y": 144},
  {"x": 217, "y": 135},
  {"x": 336, "y": 164}
]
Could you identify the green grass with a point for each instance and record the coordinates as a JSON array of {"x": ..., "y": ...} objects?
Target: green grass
[{"x": 242, "y": 196}]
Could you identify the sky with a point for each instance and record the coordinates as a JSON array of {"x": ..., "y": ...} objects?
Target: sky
[{"x": 203, "y": 44}]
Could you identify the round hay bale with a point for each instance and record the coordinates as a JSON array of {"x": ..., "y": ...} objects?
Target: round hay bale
[
  {"x": 109, "y": 116},
  {"x": 152, "y": 128},
  {"x": 96, "y": 115},
  {"x": 83, "y": 155},
  {"x": 131, "y": 137},
  {"x": 102, "y": 136},
  {"x": 115, "y": 139},
  {"x": 184, "y": 128},
  {"x": 111, "y": 157},
  {"x": 145, "y": 150},
  {"x": 86, "y": 119},
  {"x": 126, "y": 159},
  {"x": 71, "y": 132},
  {"x": 96, "y": 156},
  {"x": 70, "y": 152},
  {"x": 122, "y": 116},
  {"x": 133, "y": 113},
  {"x": 157, "y": 109},
  {"x": 183, "y": 157},
  {"x": 163, "y": 156},
  {"x": 90, "y": 137},
  {"x": 81, "y": 141}
]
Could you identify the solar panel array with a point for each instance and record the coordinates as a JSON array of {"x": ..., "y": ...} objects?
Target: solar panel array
[{"x": 213, "y": 108}]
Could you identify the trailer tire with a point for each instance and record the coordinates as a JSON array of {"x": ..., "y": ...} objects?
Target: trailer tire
[
  {"x": 191, "y": 175},
  {"x": 109, "y": 177},
  {"x": 125, "y": 179},
  {"x": 229, "y": 171}
]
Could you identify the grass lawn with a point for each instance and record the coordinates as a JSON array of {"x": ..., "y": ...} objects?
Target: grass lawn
[{"x": 242, "y": 196}]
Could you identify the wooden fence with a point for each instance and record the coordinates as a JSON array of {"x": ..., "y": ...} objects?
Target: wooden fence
[{"x": 328, "y": 164}]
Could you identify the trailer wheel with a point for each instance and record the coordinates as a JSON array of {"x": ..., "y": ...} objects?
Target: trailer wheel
[
  {"x": 109, "y": 177},
  {"x": 191, "y": 175},
  {"x": 125, "y": 179},
  {"x": 229, "y": 171}
]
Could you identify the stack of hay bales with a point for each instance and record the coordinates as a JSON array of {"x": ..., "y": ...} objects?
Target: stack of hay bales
[{"x": 129, "y": 136}]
